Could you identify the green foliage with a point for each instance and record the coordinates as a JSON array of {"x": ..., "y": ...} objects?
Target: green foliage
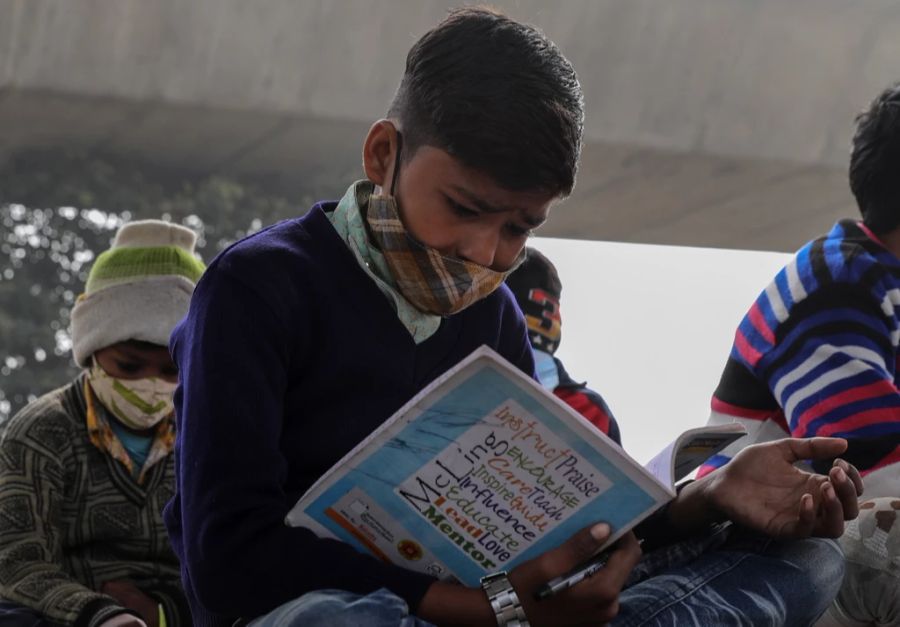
[{"x": 58, "y": 211}]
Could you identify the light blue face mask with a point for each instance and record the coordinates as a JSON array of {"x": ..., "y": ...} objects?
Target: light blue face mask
[{"x": 547, "y": 372}]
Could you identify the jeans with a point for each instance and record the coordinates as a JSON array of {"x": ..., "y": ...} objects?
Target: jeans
[
  {"x": 13, "y": 615},
  {"x": 733, "y": 577},
  {"x": 748, "y": 581},
  {"x": 336, "y": 608}
]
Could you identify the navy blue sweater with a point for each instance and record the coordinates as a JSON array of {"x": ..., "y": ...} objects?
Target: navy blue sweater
[{"x": 290, "y": 356}]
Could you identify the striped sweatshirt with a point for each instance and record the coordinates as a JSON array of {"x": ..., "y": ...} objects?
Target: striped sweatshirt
[{"x": 816, "y": 355}]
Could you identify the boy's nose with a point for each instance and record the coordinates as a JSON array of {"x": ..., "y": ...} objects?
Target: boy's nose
[{"x": 481, "y": 247}]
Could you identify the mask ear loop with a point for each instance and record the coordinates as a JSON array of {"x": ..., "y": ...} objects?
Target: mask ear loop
[{"x": 396, "y": 173}]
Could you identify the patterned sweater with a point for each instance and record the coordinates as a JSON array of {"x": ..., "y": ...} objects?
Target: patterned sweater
[
  {"x": 817, "y": 355},
  {"x": 72, "y": 518}
]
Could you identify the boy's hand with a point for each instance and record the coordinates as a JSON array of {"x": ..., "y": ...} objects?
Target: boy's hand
[
  {"x": 123, "y": 620},
  {"x": 762, "y": 489},
  {"x": 590, "y": 602},
  {"x": 130, "y": 596}
]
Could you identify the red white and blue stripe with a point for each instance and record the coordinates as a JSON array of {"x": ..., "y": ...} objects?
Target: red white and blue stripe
[{"x": 816, "y": 355}]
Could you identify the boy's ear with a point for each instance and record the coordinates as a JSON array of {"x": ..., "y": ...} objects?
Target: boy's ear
[{"x": 379, "y": 152}]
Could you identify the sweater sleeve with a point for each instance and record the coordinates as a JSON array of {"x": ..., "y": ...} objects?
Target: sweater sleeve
[
  {"x": 32, "y": 488},
  {"x": 234, "y": 351},
  {"x": 832, "y": 365}
]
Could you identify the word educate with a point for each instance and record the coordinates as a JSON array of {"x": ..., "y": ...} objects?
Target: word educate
[{"x": 494, "y": 520}]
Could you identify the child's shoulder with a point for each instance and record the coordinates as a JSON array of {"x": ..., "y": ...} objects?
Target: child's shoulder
[
  {"x": 284, "y": 247},
  {"x": 286, "y": 266},
  {"x": 47, "y": 423},
  {"x": 285, "y": 241}
]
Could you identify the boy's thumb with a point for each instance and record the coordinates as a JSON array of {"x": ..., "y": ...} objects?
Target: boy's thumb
[{"x": 586, "y": 542}]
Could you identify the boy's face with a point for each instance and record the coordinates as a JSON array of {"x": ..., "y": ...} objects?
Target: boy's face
[
  {"x": 137, "y": 360},
  {"x": 458, "y": 211}
]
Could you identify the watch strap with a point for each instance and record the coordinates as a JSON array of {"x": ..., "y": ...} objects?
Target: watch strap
[{"x": 504, "y": 601}]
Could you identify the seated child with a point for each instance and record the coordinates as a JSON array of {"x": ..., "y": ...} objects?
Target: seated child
[
  {"x": 817, "y": 355},
  {"x": 86, "y": 469}
]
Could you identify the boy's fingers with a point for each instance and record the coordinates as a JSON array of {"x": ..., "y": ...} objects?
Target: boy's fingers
[
  {"x": 814, "y": 448},
  {"x": 853, "y": 474},
  {"x": 577, "y": 549},
  {"x": 622, "y": 561},
  {"x": 846, "y": 492},
  {"x": 604, "y": 587},
  {"x": 831, "y": 523},
  {"x": 806, "y": 519}
]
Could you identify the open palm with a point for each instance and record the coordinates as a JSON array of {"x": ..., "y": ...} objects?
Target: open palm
[{"x": 761, "y": 488}]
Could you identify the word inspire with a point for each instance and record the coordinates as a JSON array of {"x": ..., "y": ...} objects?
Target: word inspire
[{"x": 502, "y": 484}]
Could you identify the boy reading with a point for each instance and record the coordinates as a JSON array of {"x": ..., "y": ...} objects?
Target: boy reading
[{"x": 305, "y": 337}]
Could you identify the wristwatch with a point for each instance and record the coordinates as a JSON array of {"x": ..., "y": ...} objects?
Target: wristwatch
[{"x": 504, "y": 600}]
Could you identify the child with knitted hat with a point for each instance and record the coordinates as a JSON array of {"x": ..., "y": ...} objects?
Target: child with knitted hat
[{"x": 86, "y": 469}]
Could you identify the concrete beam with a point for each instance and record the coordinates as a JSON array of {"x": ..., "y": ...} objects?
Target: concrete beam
[
  {"x": 624, "y": 192},
  {"x": 764, "y": 79}
]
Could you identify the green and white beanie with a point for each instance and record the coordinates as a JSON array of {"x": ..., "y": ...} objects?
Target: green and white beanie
[{"x": 137, "y": 290}]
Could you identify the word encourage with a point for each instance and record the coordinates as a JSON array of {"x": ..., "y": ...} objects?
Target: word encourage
[{"x": 501, "y": 485}]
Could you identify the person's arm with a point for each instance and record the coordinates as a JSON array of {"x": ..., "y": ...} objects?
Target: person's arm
[
  {"x": 236, "y": 351},
  {"x": 591, "y": 405},
  {"x": 167, "y": 598},
  {"x": 831, "y": 371},
  {"x": 130, "y": 596},
  {"x": 32, "y": 488},
  {"x": 763, "y": 489},
  {"x": 825, "y": 369}
]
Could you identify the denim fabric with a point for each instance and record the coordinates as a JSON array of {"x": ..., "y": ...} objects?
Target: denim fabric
[
  {"x": 730, "y": 577},
  {"x": 336, "y": 608},
  {"x": 14, "y": 615},
  {"x": 749, "y": 581},
  {"x": 675, "y": 554}
]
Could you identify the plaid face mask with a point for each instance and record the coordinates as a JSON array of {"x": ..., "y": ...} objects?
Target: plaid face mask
[
  {"x": 430, "y": 281},
  {"x": 137, "y": 403}
]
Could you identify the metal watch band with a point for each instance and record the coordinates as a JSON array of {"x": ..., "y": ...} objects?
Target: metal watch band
[{"x": 504, "y": 600}]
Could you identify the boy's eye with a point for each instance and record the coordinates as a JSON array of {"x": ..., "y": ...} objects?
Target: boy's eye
[
  {"x": 518, "y": 231},
  {"x": 461, "y": 210},
  {"x": 128, "y": 366}
]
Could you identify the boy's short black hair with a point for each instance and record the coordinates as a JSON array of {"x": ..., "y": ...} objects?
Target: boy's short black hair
[
  {"x": 497, "y": 95},
  {"x": 875, "y": 162}
]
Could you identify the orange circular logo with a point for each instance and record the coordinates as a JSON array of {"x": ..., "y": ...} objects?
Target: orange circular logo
[{"x": 409, "y": 550}]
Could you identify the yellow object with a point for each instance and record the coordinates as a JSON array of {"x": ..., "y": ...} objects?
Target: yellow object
[{"x": 162, "y": 616}]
